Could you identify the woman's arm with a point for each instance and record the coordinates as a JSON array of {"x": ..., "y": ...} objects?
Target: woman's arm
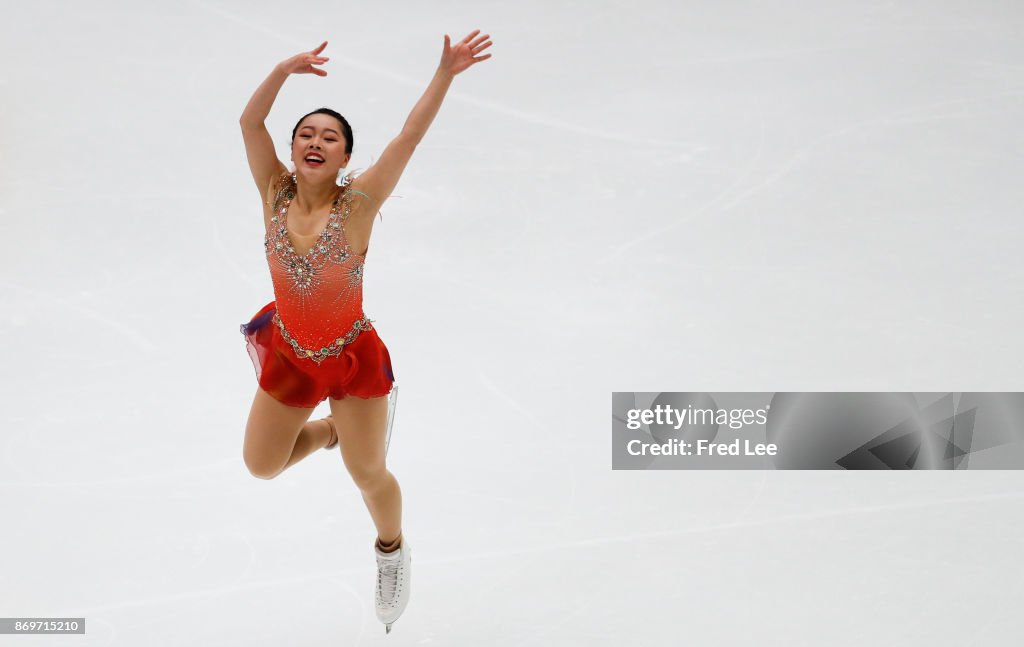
[
  {"x": 453, "y": 61},
  {"x": 381, "y": 178},
  {"x": 263, "y": 99},
  {"x": 427, "y": 107},
  {"x": 259, "y": 147},
  {"x": 258, "y": 108}
]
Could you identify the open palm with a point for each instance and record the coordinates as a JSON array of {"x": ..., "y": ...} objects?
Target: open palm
[{"x": 458, "y": 58}]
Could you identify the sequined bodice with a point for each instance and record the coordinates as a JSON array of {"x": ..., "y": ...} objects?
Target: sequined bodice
[{"x": 319, "y": 294}]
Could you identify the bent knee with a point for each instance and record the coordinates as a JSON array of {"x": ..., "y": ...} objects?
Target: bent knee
[{"x": 261, "y": 469}]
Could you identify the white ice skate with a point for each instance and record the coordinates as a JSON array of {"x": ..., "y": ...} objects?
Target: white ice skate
[{"x": 393, "y": 577}]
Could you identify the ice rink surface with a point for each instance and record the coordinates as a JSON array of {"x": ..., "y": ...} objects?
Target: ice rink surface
[{"x": 643, "y": 196}]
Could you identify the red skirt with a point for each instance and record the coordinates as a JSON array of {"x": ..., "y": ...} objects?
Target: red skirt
[{"x": 363, "y": 368}]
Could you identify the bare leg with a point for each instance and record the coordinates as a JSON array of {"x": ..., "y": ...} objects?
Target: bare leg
[
  {"x": 362, "y": 425},
  {"x": 384, "y": 501},
  {"x": 314, "y": 435},
  {"x": 277, "y": 436}
]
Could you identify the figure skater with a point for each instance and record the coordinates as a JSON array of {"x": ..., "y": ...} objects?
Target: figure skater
[{"x": 314, "y": 342}]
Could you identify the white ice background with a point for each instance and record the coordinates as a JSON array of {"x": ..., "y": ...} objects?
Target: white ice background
[{"x": 628, "y": 196}]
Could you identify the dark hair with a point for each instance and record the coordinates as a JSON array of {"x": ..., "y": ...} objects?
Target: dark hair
[{"x": 345, "y": 127}]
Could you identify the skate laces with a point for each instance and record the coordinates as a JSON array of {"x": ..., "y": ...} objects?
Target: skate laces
[{"x": 387, "y": 576}]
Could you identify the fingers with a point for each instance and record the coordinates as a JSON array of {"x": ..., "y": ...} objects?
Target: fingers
[
  {"x": 468, "y": 38},
  {"x": 321, "y": 48}
]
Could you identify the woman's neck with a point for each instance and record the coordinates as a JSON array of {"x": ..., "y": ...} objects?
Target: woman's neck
[{"x": 313, "y": 197}]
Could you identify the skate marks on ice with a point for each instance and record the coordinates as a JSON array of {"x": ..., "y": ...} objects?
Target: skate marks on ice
[
  {"x": 415, "y": 82},
  {"x": 906, "y": 115}
]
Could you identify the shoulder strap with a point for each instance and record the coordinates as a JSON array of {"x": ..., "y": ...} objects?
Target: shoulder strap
[{"x": 277, "y": 188}]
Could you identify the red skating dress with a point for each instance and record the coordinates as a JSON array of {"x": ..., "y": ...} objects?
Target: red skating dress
[{"x": 314, "y": 341}]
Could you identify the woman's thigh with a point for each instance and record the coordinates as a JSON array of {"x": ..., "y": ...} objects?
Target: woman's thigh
[
  {"x": 362, "y": 428},
  {"x": 270, "y": 434}
]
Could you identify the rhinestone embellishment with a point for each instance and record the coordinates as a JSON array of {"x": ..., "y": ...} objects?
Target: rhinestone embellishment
[
  {"x": 304, "y": 270},
  {"x": 328, "y": 272},
  {"x": 333, "y": 349}
]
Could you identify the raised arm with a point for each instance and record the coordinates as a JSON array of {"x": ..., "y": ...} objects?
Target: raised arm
[
  {"x": 381, "y": 178},
  {"x": 259, "y": 147}
]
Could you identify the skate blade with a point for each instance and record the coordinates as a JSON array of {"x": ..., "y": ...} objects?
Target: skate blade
[{"x": 392, "y": 405}]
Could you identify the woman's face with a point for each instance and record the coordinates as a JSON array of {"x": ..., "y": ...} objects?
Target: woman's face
[{"x": 321, "y": 134}]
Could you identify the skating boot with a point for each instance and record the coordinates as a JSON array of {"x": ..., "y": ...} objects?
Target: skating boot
[{"x": 393, "y": 577}]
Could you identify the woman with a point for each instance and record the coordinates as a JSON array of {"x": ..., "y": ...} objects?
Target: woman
[{"x": 313, "y": 342}]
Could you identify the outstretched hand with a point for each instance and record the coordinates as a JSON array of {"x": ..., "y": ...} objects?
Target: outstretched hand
[
  {"x": 458, "y": 58},
  {"x": 303, "y": 62}
]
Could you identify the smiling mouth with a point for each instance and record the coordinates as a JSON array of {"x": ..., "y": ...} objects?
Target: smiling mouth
[{"x": 314, "y": 163}]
